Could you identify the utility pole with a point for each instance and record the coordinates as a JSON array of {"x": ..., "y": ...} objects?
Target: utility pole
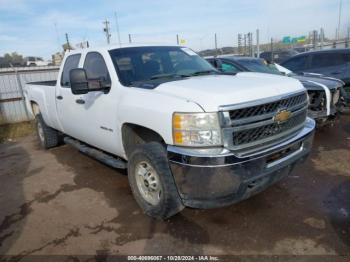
[
  {"x": 336, "y": 34},
  {"x": 130, "y": 39},
  {"x": 67, "y": 41},
  {"x": 117, "y": 24},
  {"x": 216, "y": 45},
  {"x": 239, "y": 39},
  {"x": 177, "y": 39},
  {"x": 257, "y": 44},
  {"x": 314, "y": 39},
  {"x": 106, "y": 30},
  {"x": 321, "y": 37},
  {"x": 245, "y": 45},
  {"x": 250, "y": 44},
  {"x": 271, "y": 50},
  {"x": 339, "y": 16}
]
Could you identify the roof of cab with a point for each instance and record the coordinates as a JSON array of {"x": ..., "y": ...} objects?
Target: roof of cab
[
  {"x": 331, "y": 50},
  {"x": 115, "y": 46}
]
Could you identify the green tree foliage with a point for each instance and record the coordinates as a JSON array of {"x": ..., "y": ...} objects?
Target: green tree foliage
[{"x": 11, "y": 59}]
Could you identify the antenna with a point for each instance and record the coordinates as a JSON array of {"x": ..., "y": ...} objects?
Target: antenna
[
  {"x": 339, "y": 16},
  {"x": 67, "y": 41},
  {"x": 106, "y": 30},
  {"x": 216, "y": 44},
  {"x": 117, "y": 24},
  {"x": 57, "y": 35}
]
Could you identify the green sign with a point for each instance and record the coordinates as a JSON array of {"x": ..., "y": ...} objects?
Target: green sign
[{"x": 293, "y": 40}]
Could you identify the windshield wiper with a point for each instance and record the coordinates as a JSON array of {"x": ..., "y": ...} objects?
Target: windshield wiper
[
  {"x": 155, "y": 77},
  {"x": 205, "y": 72},
  {"x": 167, "y": 76}
]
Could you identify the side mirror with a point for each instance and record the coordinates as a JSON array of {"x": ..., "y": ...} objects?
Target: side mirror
[{"x": 78, "y": 81}]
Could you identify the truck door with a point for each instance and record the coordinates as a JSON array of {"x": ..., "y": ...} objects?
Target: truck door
[
  {"x": 91, "y": 117},
  {"x": 65, "y": 102}
]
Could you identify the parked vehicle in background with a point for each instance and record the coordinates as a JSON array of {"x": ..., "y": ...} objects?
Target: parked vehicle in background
[
  {"x": 278, "y": 56},
  {"x": 302, "y": 49},
  {"x": 323, "y": 92},
  {"x": 35, "y": 61},
  {"x": 188, "y": 134},
  {"x": 333, "y": 63}
]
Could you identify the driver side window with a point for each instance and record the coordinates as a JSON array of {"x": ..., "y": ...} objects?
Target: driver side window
[{"x": 96, "y": 68}]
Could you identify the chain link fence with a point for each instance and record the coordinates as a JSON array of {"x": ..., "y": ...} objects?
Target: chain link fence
[{"x": 12, "y": 82}]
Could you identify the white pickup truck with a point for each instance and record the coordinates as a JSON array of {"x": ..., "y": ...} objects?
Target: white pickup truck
[{"x": 188, "y": 134}]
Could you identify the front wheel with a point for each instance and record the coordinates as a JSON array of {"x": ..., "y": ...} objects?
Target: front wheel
[{"x": 151, "y": 181}]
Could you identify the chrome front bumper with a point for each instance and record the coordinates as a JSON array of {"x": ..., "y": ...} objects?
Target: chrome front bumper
[{"x": 208, "y": 178}]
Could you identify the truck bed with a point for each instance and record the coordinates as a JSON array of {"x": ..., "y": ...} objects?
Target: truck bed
[{"x": 44, "y": 83}]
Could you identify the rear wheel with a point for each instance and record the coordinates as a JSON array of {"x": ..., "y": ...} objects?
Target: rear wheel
[
  {"x": 48, "y": 137},
  {"x": 151, "y": 181}
]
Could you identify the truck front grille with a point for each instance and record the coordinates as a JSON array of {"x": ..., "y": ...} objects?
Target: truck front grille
[
  {"x": 268, "y": 107},
  {"x": 250, "y": 128},
  {"x": 265, "y": 131}
]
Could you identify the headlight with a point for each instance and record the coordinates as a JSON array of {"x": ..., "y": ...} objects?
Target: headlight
[{"x": 196, "y": 129}]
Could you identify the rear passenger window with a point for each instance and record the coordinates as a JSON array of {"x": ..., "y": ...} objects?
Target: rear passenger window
[
  {"x": 96, "y": 68},
  {"x": 327, "y": 59},
  {"x": 296, "y": 64},
  {"x": 71, "y": 63}
]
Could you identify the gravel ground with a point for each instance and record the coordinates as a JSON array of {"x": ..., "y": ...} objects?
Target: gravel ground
[{"x": 63, "y": 202}]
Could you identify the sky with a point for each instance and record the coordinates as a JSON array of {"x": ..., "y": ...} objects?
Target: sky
[{"x": 38, "y": 27}]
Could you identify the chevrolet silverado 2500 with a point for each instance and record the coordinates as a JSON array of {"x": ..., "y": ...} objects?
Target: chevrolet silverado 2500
[{"x": 187, "y": 134}]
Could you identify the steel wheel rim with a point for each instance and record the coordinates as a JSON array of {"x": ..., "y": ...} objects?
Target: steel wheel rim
[
  {"x": 148, "y": 183},
  {"x": 41, "y": 132}
]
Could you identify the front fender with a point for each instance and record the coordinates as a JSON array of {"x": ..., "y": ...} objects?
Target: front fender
[{"x": 152, "y": 110}]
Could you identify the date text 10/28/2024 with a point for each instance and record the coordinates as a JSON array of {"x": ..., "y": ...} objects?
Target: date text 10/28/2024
[{"x": 173, "y": 258}]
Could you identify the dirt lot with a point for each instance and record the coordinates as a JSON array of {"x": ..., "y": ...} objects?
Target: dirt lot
[{"x": 63, "y": 202}]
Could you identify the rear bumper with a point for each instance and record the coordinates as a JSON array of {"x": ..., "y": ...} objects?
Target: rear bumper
[{"x": 216, "y": 177}]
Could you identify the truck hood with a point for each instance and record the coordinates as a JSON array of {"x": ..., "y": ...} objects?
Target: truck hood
[
  {"x": 309, "y": 81},
  {"x": 212, "y": 91}
]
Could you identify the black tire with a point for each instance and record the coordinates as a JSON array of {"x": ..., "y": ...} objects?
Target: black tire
[
  {"x": 49, "y": 137},
  {"x": 169, "y": 201}
]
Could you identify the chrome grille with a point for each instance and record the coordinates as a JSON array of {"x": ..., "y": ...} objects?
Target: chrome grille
[
  {"x": 251, "y": 127},
  {"x": 268, "y": 107},
  {"x": 263, "y": 132}
]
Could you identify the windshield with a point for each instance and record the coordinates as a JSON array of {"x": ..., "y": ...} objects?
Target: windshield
[
  {"x": 259, "y": 65},
  {"x": 135, "y": 65}
]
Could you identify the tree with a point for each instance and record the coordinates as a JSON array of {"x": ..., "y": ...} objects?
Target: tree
[
  {"x": 2, "y": 61},
  {"x": 11, "y": 59}
]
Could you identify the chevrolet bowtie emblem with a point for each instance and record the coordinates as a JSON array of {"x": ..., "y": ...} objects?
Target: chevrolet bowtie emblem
[{"x": 282, "y": 116}]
